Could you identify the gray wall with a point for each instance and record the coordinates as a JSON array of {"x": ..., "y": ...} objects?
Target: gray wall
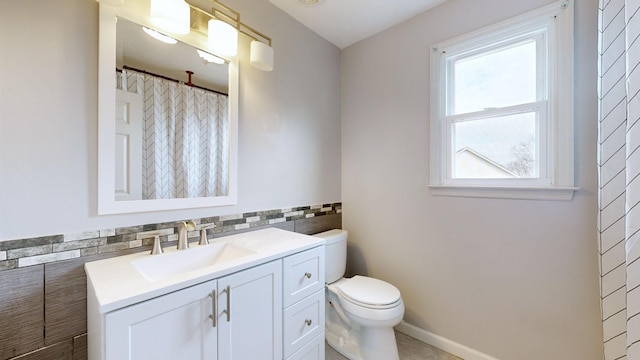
[
  {"x": 514, "y": 279},
  {"x": 289, "y": 150}
]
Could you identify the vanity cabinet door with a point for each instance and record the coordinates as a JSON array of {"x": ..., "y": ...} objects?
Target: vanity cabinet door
[
  {"x": 169, "y": 327},
  {"x": 253, "y": 329}
]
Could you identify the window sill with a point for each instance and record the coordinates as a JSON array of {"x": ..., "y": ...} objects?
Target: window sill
[{"x": 506, "y": 192}]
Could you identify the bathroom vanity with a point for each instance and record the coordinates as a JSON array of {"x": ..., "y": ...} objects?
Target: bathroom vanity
[{"x": 257, "y": 295}]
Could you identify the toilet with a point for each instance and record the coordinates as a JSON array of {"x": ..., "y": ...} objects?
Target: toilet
[{"x": 360, "y": 311}]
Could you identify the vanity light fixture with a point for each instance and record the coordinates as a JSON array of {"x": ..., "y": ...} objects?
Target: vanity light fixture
[
  {"x": 210, "y": 57},
  {"x": 261, "y": 56},
  {"x": 223, "y": 38},
  {"x": 159, "y": 36},
  {"x": 223, "y": 27},
  {"x": 171, "y": 15}
]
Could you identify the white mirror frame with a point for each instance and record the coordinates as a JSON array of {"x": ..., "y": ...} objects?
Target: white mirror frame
[{"x": 107, "y": 203}]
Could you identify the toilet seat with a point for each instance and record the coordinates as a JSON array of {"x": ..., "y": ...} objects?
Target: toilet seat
[{"x": 369, "y": 292}]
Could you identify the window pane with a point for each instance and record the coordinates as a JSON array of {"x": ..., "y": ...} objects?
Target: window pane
[
  {"x": 501, "y": 147},
  {"x": 495, "y": 79}
]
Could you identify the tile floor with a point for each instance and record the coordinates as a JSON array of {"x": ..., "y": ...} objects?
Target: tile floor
[{"x": 408, "y": 348}]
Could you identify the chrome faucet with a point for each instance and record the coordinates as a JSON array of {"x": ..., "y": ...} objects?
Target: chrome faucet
[{"x": 183, "y": 228}]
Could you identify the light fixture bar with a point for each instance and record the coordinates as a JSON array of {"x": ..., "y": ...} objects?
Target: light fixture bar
[
  {"x": 232, "y": 17},
  {"x": 235, "y": 15},
  {"x": 261, "y": 56},
  {"x": 254, "y": 32}
]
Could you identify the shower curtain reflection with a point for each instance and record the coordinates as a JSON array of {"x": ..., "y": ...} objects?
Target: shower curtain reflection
[{"x": 185, "y": 137}]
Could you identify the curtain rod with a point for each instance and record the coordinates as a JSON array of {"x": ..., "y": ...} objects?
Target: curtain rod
[{"x": 125, "y": 67}]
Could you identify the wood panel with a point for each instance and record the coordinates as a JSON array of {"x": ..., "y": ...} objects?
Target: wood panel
[
  {"x": 318, "y": 224},
  {"x": 65, "y": 306},
  {"x": 65, "y": 300},
  {"x": 59, "y": 351},
  {"x": 80, "y": 348},
  {"x": 21, "y": 315}
]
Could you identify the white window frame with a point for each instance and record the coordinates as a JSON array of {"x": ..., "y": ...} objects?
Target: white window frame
[{"x": 555, "y": 154}]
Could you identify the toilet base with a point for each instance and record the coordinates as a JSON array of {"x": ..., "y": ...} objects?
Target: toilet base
[
  {"x": 343, "y": 344},
  {"x": 376, "y": 343},
  {"x": 356, "y": 342},
  {"x": 379, "y": 343}
]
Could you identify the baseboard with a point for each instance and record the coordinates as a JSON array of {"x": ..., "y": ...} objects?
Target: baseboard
[{"x": 442, "y": 343}]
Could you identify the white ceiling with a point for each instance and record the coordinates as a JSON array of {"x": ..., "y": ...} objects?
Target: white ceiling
[{"x": 345, "y": 22}]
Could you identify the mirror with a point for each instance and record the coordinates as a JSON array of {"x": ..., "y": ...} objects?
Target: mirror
[
  {"x": 171, "y": 119},
  {"x": 163, "y": 144}
]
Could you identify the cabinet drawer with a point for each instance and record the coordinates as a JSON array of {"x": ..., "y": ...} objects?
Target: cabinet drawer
[
  {"x": 314, "y": 350},
  {"x": 303, "y": 322},
  {"x": 303, "y": 275}
]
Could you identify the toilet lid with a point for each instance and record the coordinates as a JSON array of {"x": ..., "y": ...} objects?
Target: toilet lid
[{"x": 370, "y": 291}]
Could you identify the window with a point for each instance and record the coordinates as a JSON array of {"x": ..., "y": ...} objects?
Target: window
[{"x": 501, "y": 109}]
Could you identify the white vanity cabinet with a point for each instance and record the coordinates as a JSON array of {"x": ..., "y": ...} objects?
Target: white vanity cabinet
[
  {"x": 180, "y": 325},
  {"x": 303, "y": 299},
  {"x": 252, "y": 296}
]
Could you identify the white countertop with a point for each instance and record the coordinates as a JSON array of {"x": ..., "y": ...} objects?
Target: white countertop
[{"x": 117, "y": 283}]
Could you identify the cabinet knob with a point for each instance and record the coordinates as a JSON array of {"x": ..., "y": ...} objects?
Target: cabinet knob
[
  {"x": 308, "y": 322},
  {"x": 307, "y": 275}
]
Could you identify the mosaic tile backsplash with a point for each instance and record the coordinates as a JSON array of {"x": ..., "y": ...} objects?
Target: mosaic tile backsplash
[{"x": 40, "y": 250}]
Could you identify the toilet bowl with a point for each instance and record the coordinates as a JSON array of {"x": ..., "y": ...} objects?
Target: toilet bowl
[{"x": 360, "y": 311}]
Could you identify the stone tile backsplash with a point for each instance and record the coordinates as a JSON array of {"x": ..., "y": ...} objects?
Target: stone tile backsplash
[{"x": 46, "y": 249}]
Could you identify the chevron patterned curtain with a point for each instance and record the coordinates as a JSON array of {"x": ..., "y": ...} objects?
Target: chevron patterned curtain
[
  {"x": 185, "y": 144},
  {"x": 619, "y": 176}
]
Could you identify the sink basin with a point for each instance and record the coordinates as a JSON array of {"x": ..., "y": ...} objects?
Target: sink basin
[{"x": 166, "y": 265}]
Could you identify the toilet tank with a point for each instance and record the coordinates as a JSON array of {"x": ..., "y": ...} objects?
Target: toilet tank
[{"x": 335, "y": 253}]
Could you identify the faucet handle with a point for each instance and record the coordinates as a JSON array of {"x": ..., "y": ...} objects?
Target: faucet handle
[
  {"x": 157, "y": 246},
  {"x": 157, "y": 243},
  {"x": 203, "y": 234}
]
